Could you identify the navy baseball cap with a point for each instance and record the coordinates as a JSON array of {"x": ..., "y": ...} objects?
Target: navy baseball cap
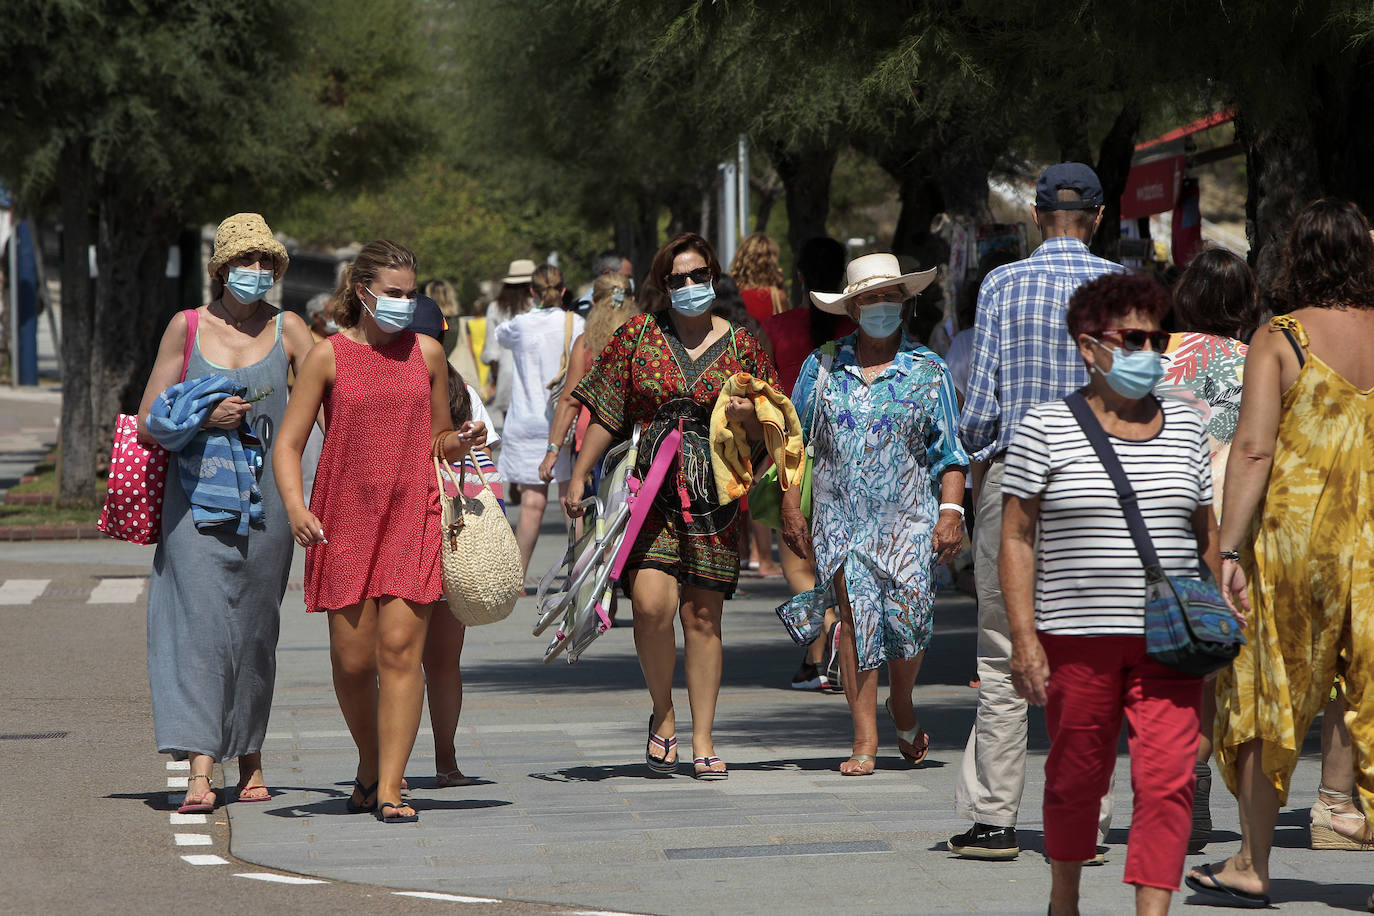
[
  {"x": 1068, "y": 176},
  {"x": 428, "y": 319}
]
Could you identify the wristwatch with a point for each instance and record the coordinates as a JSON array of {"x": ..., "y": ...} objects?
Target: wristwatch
[{"x": 551, "y": 448}]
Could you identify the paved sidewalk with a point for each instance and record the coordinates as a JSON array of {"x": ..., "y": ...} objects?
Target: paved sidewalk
[{"x": 566, "y": 812}]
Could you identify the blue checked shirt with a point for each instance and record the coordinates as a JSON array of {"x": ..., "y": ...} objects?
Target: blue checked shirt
[{"x": 1022, "y": 352}]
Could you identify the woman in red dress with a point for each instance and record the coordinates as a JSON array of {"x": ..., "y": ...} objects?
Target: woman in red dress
[
  {"x": 663, "y": 371},
  {"x": 373, "y": 522}
]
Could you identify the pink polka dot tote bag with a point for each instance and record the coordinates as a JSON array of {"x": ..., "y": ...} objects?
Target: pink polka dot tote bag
[{"x": 133, "y": 497}]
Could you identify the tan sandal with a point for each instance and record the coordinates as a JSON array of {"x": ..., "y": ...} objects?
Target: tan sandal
[
  {"x": 913, "y": 738},
  {"x": 1323, "y": 832}
]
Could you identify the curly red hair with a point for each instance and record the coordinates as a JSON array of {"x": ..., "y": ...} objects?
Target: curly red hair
[{"x": 1102, "y": 303}]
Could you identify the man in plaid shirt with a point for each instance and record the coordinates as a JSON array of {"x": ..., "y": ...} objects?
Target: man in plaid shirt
[{"x": 1022, "y": 356}]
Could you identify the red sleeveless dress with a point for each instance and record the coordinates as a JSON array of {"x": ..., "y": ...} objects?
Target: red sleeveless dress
[{"x": 375, "y": 492}]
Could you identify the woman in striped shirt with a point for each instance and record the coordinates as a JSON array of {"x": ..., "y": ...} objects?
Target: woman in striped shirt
[{"x": 1075, "y": 603}]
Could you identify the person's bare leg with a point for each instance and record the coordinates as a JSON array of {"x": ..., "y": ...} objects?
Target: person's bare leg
[
  {"x": 1337, "y": 789},
  {"x": 860, "y": 687},
  {"x": 1152, "y": 901},
  {"x": 444, "y": 686},
  {"x": 533, "y": 499},
  {"x": 353, "y": 657},
  {"x": 1064, "y": 881},
  {"x": 901, "y": 677},
  {"x": 702, "y": 655},
  {"x": 1206, "y": 719},
  {"x": 400, "y": 645},
  {"x": 251, "y": 783},
  {"x": 762, "y": 537},
  {"x": 1258, "y": 801},
  {"x": 653, "y": 602},
  {"x": 801, "y": 577}
]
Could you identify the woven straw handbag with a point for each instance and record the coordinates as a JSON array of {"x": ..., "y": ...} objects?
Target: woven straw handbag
[{"x": 481, "y": 560}]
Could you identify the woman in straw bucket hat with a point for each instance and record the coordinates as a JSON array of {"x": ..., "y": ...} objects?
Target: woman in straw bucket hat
[
  {"x": 887, "y": 494},
  {"x": 214, "y": 596}
]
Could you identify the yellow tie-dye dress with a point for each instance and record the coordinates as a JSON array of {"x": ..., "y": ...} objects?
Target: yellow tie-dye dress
[{"x": 1309, "y": 564}]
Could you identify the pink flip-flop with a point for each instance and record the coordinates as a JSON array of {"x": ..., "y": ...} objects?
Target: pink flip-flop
[
  {"x": 200, "y": 806},
  {"x": 241, "y": 797}
]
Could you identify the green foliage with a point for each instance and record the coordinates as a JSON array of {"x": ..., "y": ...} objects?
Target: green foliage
[
  {"x": 208, "y": 104},
  {"x": 460, "y": 229}
]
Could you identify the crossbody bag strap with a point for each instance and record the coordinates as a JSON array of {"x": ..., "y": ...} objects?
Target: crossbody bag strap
[{"x": 1130, "y": 502}]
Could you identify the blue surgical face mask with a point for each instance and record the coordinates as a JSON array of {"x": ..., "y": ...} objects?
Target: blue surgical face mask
[
  {"x": 881, "y": 319},
  {"x": 249, "y": 285},
  {"x": 392, "y": 314},
  {"x": 1133, "y": 374},
  {"x": 691, "y": 301}
]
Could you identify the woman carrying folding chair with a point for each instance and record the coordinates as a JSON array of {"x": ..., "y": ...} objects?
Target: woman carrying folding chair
[{"x": 662, "y": 372}]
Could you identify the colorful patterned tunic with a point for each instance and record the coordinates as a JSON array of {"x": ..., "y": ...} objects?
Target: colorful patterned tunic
[
  {"x": 645, "y": 378},
  {"x": 1205, "y": 371},
  {"x": 879, "y": 451}
]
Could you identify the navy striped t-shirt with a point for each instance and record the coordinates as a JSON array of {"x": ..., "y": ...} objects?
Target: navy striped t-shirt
[{"x": 1090, "y": 580}]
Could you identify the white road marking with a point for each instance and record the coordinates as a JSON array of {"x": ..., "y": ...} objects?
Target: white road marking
[
  {"x": 178, "y": 782},
  {"x": 452, "y": 898},
  {"x": 192, "y": 839},
  {"x": 280, "y": 879},
  {"x": 178, "y": 765},
  {"x": 117, "y": 591},
  {"x": 187, "y": 818},
  {"x": 22, "y": 591},
  {"x": 601, "y": 913},
  {"x": 204, "y": 860}
]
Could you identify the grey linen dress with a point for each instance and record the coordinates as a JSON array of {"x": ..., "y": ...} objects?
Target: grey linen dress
[{"x": 214, "y": 598}]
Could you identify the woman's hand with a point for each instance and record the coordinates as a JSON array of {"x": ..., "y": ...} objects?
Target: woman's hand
[
  {"x": 469, "y": 436},
  {"x": 572, "y": 497},
  {"x": 1236, "y": 591},
  {"x": 741, "y": 410},
  {"x": 1030, "y": 671},
  {"x": 949, "y": 536},
  {"x": 796, "y": 530},
  {"x": 228, "y": 414},
  {"x": 305, "y": 527},
  {"x": 546, "y": 466}
]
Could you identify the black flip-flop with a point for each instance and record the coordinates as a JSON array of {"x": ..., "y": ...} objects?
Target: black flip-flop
[
  {"x": 1230, "y": 895},
  {"x": 398, "y": 819}
]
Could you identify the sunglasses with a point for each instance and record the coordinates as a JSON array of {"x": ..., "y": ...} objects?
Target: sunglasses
[
  {"x": 1133, "y": 339},
  {"x": 701, "y": 276}
]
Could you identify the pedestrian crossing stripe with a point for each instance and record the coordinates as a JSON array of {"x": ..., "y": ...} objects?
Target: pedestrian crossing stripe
[
  {"x": 22, "y": 591},
  {"x": 117, "y": 591},
  {"x": 114, "y": 590}
]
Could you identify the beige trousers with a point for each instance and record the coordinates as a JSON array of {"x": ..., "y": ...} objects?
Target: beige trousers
[{"x": 993, "y": 773}]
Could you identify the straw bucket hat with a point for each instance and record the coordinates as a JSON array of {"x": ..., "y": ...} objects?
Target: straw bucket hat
[
  {"x": 245, "y": 233},
  {"x": 521, "y": 270},
  {"x": 870, "y": 271}
]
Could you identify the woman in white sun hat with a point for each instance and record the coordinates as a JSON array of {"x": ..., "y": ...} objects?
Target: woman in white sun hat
[{"x": 879, "y": 413}]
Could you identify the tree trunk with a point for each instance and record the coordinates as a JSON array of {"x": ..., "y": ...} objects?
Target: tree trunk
[
  {"x": 131, "y": 304},
  {"x": 1281, "y": 170},
  {"x": 636, "y": 233},
  {"x": 805, "y": 172},
  {"x": 1113, "y": 168},
  {"x": 920, "y": 203},
  {"x": 81, "y": 446}
]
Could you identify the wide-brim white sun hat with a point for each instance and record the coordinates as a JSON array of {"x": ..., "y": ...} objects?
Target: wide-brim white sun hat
[{"x": 868, "y": 272}]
